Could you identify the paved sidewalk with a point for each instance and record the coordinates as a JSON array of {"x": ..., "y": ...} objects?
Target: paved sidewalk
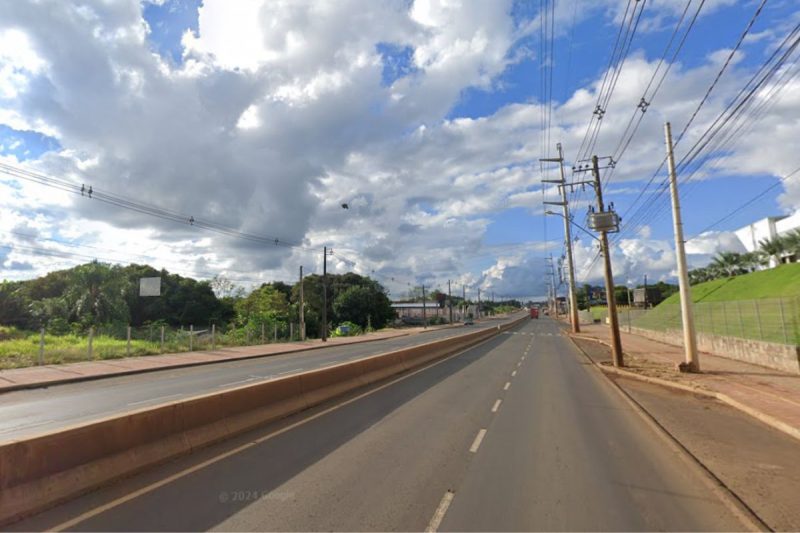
[
  {"x": 17, "y": 378},
  {"x": 768, "y": 394}
]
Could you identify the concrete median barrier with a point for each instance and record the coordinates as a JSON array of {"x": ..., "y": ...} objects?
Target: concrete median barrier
[{"x": 45, "y": 470}]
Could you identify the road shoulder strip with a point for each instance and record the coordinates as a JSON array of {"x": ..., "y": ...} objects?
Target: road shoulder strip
[
  {"x": 694, "y": 389},
  {"x": 732, "y": 501}
]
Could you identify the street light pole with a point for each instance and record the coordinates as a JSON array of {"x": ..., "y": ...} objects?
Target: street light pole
[{"x": 573, "y": 297}]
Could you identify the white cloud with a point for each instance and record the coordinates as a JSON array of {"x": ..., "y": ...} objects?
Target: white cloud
[{"x": 278, "y": 115}]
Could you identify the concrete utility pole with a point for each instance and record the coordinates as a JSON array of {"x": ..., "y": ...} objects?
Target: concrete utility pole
[
  {"x": 478, "y": 310},
  {"x": 555, "y": 286},
  {"x": 616, "y": 341},
  {"x": 324, "y": 294},
  {"x": 450, "y": 301},
  {"x": 302, "y": 309},
  {"x": 562, "y": 188},
  {"x": 464, "y": 300},
  {"x": 424, "y": 309},
  {"x": 692, "y": 363}
]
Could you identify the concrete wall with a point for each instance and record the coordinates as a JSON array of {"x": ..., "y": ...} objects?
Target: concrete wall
[
  {"x": 782, "y": 357},
  {"x": 47, "y": 469}
]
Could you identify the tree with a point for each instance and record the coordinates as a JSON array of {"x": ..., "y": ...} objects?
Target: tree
[
  {"x": 264, "y": 305},
  {"x": 773, "y": 248},
  {"x": 363, "y": 305},
  {"x": 729, "y": 262},
  {"x": 225, "y": 288},
  {"x": 14, "y": 305},
  {"x": 96, "y": 294}
]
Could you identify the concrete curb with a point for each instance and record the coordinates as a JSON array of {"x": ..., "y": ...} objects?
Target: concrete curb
[
  {"x": 724, "y": 398},
  {"x": 49, "y": 468},
  {"x": 77, "y": 379}
]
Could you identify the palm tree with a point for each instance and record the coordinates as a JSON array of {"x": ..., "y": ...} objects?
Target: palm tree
[
  {"x": 699, "y": 275},
  {"x": 728, "y": 262},
  {"x": 752, "y": 260},
  {"x": 96, "y": 294},
  {"x": 792, "y": 240},
  {"x": 774, "y": 248}
]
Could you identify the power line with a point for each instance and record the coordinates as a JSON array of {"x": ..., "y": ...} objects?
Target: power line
[
  {"x": 140, "y": 207},
  {"x": 646, "y": 101},
  {"x": 746, "y": 204},
  {"x": 639, "y": 214}
]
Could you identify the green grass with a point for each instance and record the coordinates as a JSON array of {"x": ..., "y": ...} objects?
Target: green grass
[
  {"x": 780, "y": 282},
  {"x": 22, "y": 352},
  {"x": 21, "y": 348},
  {"x": 763, "y": 305},
  {"x": 772, "y": 320}
]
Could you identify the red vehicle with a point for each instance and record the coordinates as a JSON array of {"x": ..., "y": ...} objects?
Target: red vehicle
[{"x": 534, "y": 312}]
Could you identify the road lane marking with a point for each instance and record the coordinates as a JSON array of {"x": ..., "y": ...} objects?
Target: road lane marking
[
  {"x": 519, "y": 364},
  {"x": 477, "y": 442},
  {"x": 508, "y": 384},
  {"x": 154, "y": 399},
  {"x": 523, "y": 357},
  {"x": 496, "y": 405},
  {"x": 514, "y": 373},
  {"x": 438, "y": 516},
  {"x": 71, "y": 523}
]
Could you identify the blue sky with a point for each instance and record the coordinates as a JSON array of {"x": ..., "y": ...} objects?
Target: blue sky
[{"x": 415, "y": 121}]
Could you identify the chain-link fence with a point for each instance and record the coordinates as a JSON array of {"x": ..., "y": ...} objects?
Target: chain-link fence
[
  {"x": 772, "y": 320},
  {"x": 24, "y": 349}
]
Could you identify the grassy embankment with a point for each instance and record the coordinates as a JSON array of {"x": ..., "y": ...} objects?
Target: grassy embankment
[{"x": 761, "y": 305}]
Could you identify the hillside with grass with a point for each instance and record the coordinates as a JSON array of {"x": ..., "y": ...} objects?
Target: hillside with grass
[
  {"x": 780, "y": 282},
  {"x": 763, "y": 305}
]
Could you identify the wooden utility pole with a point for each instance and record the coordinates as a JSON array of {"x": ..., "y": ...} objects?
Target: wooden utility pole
[
  {"x": 324, "y": 294},
  {"x": 450, "y": 301},
  {"x": 424, "y": 309},
  {"x": 302, "y": 309},
  {"x": 692, "y": 362},
  {"x": 616, "y": 341}
]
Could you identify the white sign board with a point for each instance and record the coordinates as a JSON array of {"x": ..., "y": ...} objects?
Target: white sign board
[{"x": 149, "y": 286}]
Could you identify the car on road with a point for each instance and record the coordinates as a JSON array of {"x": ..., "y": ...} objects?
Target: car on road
[{"x": 468, "y": 321}]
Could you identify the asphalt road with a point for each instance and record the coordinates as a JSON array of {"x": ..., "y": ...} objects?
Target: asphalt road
[
  {"x": 517, "y": 433},
  {"x": 29, "y": 412}
]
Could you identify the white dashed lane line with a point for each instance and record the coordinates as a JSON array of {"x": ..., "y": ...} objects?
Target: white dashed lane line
[
  {"x": 438, "y": 516},
  {"x": 496, "y": 405},
  {"x": 477, "y": 442}
]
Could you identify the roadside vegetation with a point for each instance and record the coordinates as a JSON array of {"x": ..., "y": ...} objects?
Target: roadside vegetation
[{"x": 105, "y": 299}]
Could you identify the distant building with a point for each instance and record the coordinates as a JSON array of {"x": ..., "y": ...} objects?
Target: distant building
[
  {"x": 414, "y": 310},
  {"x": 767, "y": 229}
]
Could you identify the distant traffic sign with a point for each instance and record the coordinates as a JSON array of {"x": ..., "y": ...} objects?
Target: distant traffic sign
[{"x": 150, "y": 286}]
